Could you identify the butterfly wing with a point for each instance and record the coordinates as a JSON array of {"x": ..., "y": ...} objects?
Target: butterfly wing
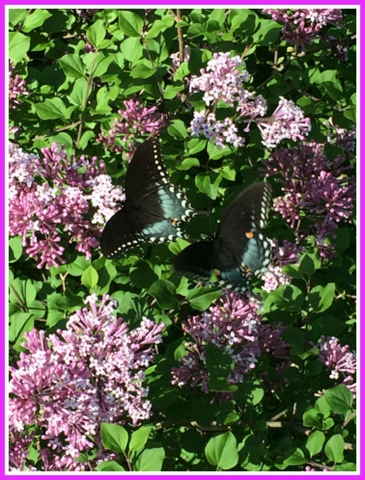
[
  {"x": 239, "y": 251},
  {"x": 153, "y": 209},
  {"x": 195, "y": 261}
]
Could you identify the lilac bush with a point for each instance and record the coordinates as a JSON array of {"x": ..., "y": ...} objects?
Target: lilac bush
[
  {"x": 49, "y": 199},
  {"x": 66, "y": 384},
  {"x": 223, "y": 82},
  {"x": 315, "y": 190},
  {"x": 302, "y": 26},
  {"x": 235, "y": 327},
  {"x": 287, "y": 121},
  {"x": 339, "y": 360},
  {"x": 135, "y": 120}
]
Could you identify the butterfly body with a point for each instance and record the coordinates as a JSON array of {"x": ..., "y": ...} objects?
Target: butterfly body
[
  {"x": 239, "y": 251},
  {"x": 153, "y": 210}
]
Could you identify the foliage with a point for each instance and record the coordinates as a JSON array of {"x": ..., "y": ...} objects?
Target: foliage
[{"x": 259, "y": 383}]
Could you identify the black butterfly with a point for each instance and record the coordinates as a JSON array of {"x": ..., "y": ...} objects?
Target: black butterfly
[
  {"x": 153, "y": 209},
  {"x": 239, "y": 251}
]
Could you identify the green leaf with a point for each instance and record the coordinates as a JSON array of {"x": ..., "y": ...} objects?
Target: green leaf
[
  {"x": 221, "y": 451},
  {"x": 195, "y": 145},
  {"x": 19, "y": 45},
  {"x": 62, "y": 138},
  {"x": 77, "y": 267},
  {"x": 150, "y": 460},
  {"x": 316, "y": 419},
  {"x": 139, "y": 438},
  {"x": 142, "y": 71},
  {"x": 219, "y": 366},
  {"x": 334, "y": 448},
  {"x": 164, "y": 292},
  {"x": 321, "y": 298},
  {"x": 20, "y": 322},
  {"x": 202, "y": 298},
  {"x": 142, "y": 275},
  {"x": 188, "y": 163},
  {"x": 51, "y": 109},
  {"x": 297, "y": 457},
  {"x": 114, "y": 437},
  {"x": 109, "y": 466},
  {"x": 90, "y": 277},
  {"x": 22, "y": 292},
  {"x": 243, "y": 20},
  {"x": 132, "y": 49},
  {"x": 130, "y": 23},
  {"x": 35, "y": 19},
  {"x": 102, "y": 65},
  {"x": 160, "y": 26},
  {"x": 309, "y": 263},
  {"x": 346, "y": 467},
  {"x": 15, "y": 248},
  {"x": 322, "y": 407},
  {"x": 72, "y": 66},
  {"x": 69, "y": 301},
  {"x": 79, "y": 92},
  {"x": 340, "y": 399},
  {"x": 17, "y": 15},
  {"x": 287, "y": 297},
  {"x": 216, "y": 153},
  {"x": 96, "y": 34},
  {"x": 228, "y": 172},
  {"x": 315, "y": 443},
  {"x": 178, "y": 130},
  {"x": 208, "y": 183},
  {"x": 267, "y": 34}
]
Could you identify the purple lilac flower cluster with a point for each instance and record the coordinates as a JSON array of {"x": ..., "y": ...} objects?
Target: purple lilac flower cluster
[
  {"x": 339, "y": 360},
  {"x": 302, "y": 26},
  {"x": 317, "y": 193},
  {"x": 17, "y": 88},
  {"x": 222, "y": 83},
  {"x": 49, "y": 199},
  {"x": 134, "y": 120},
  {"x": 235, "y": 327},
  {"x": 65, "y": 385},
  {"x": 287, "y": 121}
]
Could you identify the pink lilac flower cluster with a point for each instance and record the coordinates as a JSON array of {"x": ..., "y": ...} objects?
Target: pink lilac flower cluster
[
  {"x": 287, "y": 121},
  {"x": 283, "y": 255},
  {"x": 317, "y": 192},
  {"x": 176, "y": 61},
  {"x": 339, "y": 360},
  {"x": 66, "y": 384},
  {"x": 135, "y": 120},
  {"x": 17, "y": 88},
  {"x": 235, "y": 327},
  {"x": 221, "y": 133},
  {"x": 222, "y": 83},
  {"x": 302, "y": 26},
  {"x": 50, "y": 201}
]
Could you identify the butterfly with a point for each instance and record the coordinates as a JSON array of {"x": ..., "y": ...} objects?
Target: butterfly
[
  {"x": 153, "y": 209},
  {"x": 239, "y": 251}
]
